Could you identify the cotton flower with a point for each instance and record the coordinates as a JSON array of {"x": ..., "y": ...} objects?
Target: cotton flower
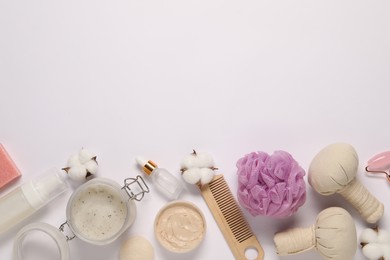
[
  {"x": 270, "y": 185},
  {"x": 375, "y": 244},
  {"x": 81, "y": 165},
  {"x": 198, "y": 168}
]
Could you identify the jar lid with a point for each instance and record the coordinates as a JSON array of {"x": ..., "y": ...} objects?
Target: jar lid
[{"x": 53, "y": 232}]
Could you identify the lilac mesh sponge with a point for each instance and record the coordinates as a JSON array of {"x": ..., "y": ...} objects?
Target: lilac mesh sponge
[{"x": 270, "y": 185}]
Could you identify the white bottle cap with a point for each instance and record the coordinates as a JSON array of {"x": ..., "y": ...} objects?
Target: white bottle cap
[{"x": 141, "y": 161}]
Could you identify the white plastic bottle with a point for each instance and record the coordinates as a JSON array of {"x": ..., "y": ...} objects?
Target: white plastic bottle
[
  {"x": 165, "y": 182},
  {"x": 25, "y": 200}
]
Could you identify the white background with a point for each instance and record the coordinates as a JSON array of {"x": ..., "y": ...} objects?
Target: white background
[{"x": 159, "y": 78}]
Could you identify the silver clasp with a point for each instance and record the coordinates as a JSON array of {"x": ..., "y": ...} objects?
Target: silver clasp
[
  {"x": 62, "y": 229},
  {"x": 138, "y": 189}
]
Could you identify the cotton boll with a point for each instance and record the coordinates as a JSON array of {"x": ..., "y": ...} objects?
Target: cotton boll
[
  {"x": 192, "y": 176},
  {"x": 78, "y": 172},
  {"x": 375, "y": 243},
  {"x": 207, "y": 175},
  {"x": 197, "y": 160},
  {"x": 384, "y": 240},
  {"x": 198, "y": 168},
  {"x": 81, "y": 165},
  {"x": 386, "y": 252},
  {"x": 85, "y": 156},
  {"x": 372, "y": 251},
  {"x": 383, "y": 237},
  {"x": 188, "y": 162},
  {"x": 91, "y": 166},
  {"x": 204, "y": 160},
  {"x": 73, "y": 160},
  {"x": 368, "y": 235}
]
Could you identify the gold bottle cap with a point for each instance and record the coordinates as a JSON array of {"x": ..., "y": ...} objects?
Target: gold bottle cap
[{"x": 149, "y": 167}]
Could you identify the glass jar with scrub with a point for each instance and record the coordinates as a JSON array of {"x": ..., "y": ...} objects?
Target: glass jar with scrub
[{"x": 98, "y": 212}]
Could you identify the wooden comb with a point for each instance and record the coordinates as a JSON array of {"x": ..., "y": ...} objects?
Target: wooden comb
[{"x": 230, "y": 219}]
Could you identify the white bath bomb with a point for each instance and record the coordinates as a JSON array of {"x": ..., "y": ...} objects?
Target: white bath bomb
[{"x": 136, "y": 248}]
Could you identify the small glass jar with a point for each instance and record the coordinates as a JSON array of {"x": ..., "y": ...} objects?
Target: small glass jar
[{"x": 98, "y": 212}]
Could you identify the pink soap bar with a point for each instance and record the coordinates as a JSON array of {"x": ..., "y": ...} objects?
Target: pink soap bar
[{"x": 8, "y": 169}]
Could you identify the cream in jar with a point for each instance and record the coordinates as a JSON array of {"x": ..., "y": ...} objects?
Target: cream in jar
[
  {"x": 180, "y": 226},
  {"x": 98, "y": 212}
]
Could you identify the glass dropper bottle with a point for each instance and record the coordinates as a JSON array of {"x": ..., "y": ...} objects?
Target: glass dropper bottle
[{"x": 165, "y": 182}]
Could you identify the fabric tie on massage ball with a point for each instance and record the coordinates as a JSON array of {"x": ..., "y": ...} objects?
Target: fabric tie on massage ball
[{"x": 270, "y": 185}]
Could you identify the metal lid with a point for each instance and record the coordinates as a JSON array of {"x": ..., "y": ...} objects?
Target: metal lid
[{"x": 53, "y": 232}]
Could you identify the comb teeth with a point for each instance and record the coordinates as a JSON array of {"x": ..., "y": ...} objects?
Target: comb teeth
[{"x": 230, "y": 210}]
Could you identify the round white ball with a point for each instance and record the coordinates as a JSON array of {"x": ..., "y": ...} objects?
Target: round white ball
[{"x": 136, "y": 248}]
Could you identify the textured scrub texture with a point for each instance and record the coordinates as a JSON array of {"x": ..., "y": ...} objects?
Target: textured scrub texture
[{"x": 270, "y": 185}]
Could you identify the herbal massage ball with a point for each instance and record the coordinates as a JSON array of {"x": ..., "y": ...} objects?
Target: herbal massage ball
[
  {"x": 333, "y": 170},
  {"x": 333, "y": 236},
  {"x": 270, "y": 185}
]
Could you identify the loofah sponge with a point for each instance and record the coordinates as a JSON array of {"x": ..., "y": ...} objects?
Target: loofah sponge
[{"x": 270, "y": 185}]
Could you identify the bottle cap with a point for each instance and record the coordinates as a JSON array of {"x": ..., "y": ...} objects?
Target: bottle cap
[{"x": 147, "y": 166}]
